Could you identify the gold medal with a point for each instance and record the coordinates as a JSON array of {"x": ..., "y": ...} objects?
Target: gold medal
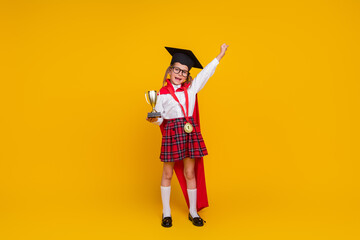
[{"x": 188, "y": 127}]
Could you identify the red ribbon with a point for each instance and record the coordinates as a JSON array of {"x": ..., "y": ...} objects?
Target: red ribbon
[{"x": 172, "y": 92}]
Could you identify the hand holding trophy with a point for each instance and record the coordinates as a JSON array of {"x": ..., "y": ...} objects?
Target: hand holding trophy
[{"x": 152, "y": 96}]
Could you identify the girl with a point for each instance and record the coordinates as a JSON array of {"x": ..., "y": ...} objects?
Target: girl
[{"x": 182, "y": 146}]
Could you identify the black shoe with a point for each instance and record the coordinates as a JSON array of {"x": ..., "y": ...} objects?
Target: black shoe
[
  {"x": 197, "y": 221},
  {"x": 166, "y": 221}
]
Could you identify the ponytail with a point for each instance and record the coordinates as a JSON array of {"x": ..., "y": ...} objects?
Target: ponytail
[{"x": 166, "y": 73}]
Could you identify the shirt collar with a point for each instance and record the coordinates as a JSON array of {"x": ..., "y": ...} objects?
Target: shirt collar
[{"x": 176, "y": 87}]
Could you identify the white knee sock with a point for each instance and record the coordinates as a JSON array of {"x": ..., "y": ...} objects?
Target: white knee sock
[
  {"x": 192, "y": 193},
  {"x": 165, "y": 196}
]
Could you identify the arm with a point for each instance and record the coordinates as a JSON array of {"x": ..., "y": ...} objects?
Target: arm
[
  {"x": 222, "y": 51},
  {"x": 201, "y": 79}
]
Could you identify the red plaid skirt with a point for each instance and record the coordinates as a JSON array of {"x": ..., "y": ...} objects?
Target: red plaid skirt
[{"x": 177, "y": 144}]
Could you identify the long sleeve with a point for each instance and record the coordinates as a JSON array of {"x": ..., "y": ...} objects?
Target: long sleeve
[
  {"x": 159, "y": 108},
  {"x": 203, "y": 76}
]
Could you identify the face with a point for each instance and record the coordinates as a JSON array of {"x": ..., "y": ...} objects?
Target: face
[{"x": 178, "y": 78}]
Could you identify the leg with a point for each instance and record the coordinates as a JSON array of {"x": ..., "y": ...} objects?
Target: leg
[
  {"x": 189, "y": 172},
  {"x": 167, "y": 174},
  {"x": 165, "y": 187}
]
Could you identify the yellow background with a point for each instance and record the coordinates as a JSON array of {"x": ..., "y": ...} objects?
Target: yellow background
[{"x": 280, "y": 118}]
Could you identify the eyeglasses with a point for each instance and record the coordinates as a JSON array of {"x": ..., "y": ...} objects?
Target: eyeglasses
[{"x": 178, "y": 70}]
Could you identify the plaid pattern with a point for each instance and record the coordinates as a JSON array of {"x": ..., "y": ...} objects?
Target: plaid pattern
[{"x": 177, "y": 144}]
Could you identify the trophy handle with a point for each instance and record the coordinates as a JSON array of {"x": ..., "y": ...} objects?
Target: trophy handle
[{"x": 146, "y": 99}]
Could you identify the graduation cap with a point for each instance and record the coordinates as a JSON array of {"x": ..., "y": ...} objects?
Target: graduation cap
[{"x": 185, "y": 57}]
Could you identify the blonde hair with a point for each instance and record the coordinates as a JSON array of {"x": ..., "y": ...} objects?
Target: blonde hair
[{"x": 188, "y": 78}]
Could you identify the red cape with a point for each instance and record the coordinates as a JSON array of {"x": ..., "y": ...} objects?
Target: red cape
[{"x": 202, "y": 200}]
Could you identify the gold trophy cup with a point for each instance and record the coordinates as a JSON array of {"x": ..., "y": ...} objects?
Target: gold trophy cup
[{"x": 152, "y": 96}]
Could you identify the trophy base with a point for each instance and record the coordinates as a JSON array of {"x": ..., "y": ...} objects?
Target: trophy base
[{"x": 154, "y": 115}]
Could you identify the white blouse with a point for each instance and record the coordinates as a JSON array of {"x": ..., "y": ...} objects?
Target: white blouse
[{"x": 170, "y": 109}]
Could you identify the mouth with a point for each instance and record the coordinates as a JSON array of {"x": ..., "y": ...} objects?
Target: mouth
[{"x": 179, "y": 79}]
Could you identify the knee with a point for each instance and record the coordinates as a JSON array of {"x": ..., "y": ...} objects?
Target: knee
[
  {"x": 167, "y": 174},
  {"x": 189, "y": 174}
]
